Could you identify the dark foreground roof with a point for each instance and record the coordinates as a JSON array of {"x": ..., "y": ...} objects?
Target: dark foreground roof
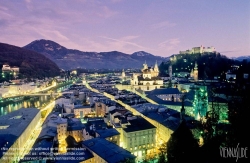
[
  {"x": 107, "y": 150},
  {"x": 138, "y": 124}
]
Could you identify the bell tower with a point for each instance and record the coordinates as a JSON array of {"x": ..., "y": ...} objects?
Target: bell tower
[
  {"x": 156, "y": 69},
  {"x": 196, "y": 72}
]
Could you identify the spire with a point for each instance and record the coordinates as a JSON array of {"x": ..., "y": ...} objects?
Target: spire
[
  {"x": 123, "y": 73},
  {"x": 156, "y": 69},
  {"x": 145, "y": 66},
  {"x": 196, "y": 72}
]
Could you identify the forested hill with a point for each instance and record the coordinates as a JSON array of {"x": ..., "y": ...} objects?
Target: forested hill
[
  {"x": 209, "y": 65},
  {"x": 31, "y": 64}
]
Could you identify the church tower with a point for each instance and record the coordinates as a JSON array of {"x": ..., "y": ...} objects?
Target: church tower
[
  {"x": 123, "y": 73},
  {"x": 145, "y": 66},
  {"x": 196, "y": 72},
  {"x": 192, "y": 73},
  {"x": 156, "y": 69}
]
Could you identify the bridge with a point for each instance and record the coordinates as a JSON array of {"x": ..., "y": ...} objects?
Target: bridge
[{"x": 43, "y": 94}]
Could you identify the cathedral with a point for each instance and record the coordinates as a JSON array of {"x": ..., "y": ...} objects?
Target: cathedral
[{"x": 148, "y": 79}]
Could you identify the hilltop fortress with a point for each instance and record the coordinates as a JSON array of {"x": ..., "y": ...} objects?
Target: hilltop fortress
[{"x": 200, "y": 49}]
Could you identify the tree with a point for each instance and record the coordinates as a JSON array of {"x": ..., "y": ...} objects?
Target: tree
[
  {"x": 182, "y": 147},
  {"x": 128, "y": 160},
  {"x": 217, "y": 135},
  {"x": 162, "y": 158},
  {"x": 238, "y": 114}
]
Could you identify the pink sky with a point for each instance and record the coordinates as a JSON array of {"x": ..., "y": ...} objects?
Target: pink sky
[{"x": 160, "y": 27}]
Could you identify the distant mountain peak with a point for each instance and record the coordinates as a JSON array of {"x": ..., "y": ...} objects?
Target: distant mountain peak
[
  {"x": 241, "y": 58},
  {"x": 50, "y": 45},
  {"x": 142, "y": 53}
]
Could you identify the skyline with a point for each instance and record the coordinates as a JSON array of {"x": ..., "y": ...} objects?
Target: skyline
[{"x": 159, "y": 27}]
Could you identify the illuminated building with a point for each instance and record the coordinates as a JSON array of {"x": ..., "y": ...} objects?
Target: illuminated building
[
  {"x": 136, "y": 134},
  {"x": 61, "y": 136},
  {"x": 71, "y": 127},
  {"x": 7, "y": 68},
  {"x": 200, "y": 50},
  {"x": 16, "y": 129},
  {"x": 139, "y": 137},
  {"x": 100, "y": 109},
  {"x": 82, "y": 111},
  {"x": 148, "y": 80}
]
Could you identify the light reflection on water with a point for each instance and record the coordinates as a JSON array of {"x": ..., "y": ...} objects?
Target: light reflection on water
[{"x": 26, "y": 103}]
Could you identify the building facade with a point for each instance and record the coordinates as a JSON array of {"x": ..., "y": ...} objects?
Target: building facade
[{"x": 148, "y": 80}]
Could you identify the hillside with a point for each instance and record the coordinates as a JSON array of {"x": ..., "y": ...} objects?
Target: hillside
[
  {"x": 31, "y": 64},
  {"x": 70, "y": 58},
  {"x": 209, "y": 65}
]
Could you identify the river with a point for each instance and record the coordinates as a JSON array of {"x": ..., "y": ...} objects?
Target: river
[{"x": 27, "y": 102}]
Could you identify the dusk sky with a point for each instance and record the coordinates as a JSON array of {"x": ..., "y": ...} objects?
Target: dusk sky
[{"x": 160, "y": 27}]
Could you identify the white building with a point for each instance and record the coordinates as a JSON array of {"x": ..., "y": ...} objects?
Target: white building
[
  {"x": 147, "y": 80},
  {"x": 139, "y": 137},
  {"x": 81, "y": 111},
  {"x": 200, "y": 49},
  {"x": 7, "y": 68}
]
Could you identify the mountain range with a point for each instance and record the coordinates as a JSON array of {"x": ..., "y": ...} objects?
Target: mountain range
[
  {"x": 241, "y": 58},
  {"x": 70, "y": 58}
]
